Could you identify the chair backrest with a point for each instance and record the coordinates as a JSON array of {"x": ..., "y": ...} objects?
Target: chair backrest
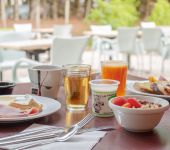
[
  {"x": 63, "y": 30},
  {"x": 127, "y": 39},
  {"x": 151, "y": 39},
  {"x": 68, "y": 50},
  {"x": 147, "y": 24},
  {"x": 165, "y": 31},
  {"x": 27, "y": 27},
  {"x": 101, "y": 28}
]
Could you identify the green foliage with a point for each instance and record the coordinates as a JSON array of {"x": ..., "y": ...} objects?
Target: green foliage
[
  {"x": 161, "y": 13},
  {"x": 115, "y": 12}
]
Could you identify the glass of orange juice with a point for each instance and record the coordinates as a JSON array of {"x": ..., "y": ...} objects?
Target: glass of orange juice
[{"x": 115, "y": 70}]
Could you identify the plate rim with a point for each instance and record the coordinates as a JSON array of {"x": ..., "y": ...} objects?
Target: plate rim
[
  {"x": 40, "y": 115},
  {"x": 130, "y": 88}
]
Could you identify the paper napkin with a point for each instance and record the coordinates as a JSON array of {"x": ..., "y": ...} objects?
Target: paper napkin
[{"x": 85, "y": 141}]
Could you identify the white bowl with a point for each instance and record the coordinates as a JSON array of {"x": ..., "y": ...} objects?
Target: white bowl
[{"x": 138, "y": 119}]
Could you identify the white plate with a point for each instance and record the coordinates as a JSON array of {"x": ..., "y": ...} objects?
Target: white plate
[
  {"x": 130, "y": 88},
  {"x": 49, "y": 106}
]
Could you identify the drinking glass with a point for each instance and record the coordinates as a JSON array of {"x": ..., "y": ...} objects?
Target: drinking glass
[
  {"x": 115, "y": 70},
  {"x": 76, "y": 85}
]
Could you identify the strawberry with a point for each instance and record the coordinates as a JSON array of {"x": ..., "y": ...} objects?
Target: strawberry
[
  {"x": 33, "y": 111},
  {"x": 119, "y": 101},
  {"x": 127, "y": 105},
  {"x": 134, "y": 102}
]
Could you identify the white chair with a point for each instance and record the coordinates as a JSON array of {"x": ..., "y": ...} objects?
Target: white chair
[
  {"x": 63, "y": 30},
  {"x": 101, "y": 46},
  {"x": 28, "y": 63},
  {"x": 147, "y": 24},
  {"x": 127, "y": 42},
  {"x": 165, "y": 52},
  {"x": 152, "y": 42},
  {"x": 26, "y": 27},
  {"x": 63, "y": 51},
  {"x": 8, "y": 57},
  {"x": 68, "y": 50}
]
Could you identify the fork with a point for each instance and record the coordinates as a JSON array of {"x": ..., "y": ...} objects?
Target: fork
[
  {"x": 57, "y": 130},
  {"x": 55, "y": 137}
]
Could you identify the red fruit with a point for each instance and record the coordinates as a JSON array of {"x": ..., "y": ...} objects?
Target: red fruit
[
  {"x": 134, "y": 102},
  {"x": 127, "y": 105},
  {"x": 119, "y": 101},
  {"x": 33, "y": 111}
]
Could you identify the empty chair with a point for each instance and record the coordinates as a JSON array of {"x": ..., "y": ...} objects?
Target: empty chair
[
  {"x": 127, "y": 39},
  {"x": 63, "y": 30},
  {"x": 8, "y": 57},
  {"x": 165, "y": 52},
  {"x": 27, "y": 27},
  {"x": 68, "y": 50},
  {"x": 101, "y": 45},
  {"x": 63, "y": 51},
  {"x": 127, "y": 42},
  {"x": 151, "y": 42}
]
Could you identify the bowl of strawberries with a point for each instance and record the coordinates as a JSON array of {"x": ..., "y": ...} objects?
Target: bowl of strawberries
[{"x": 138, "y": 113}]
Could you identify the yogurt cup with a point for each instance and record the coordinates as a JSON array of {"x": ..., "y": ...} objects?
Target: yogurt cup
[{"x": 102, "y": 91}]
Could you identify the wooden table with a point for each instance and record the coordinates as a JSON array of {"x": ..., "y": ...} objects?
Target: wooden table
[
  {"x": 119, "y": 139},
  {"x": 32, "y": 47}
]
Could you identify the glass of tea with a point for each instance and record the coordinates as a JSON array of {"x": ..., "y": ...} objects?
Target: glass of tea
[
  {"x": 115, "y": 70},
  {"x": 76, "y": 85}
]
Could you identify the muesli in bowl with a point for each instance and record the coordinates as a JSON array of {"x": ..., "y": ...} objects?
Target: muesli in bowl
[{"x": 138, "y": 113}]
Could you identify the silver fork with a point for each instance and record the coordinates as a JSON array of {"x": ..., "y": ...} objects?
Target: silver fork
[
  {"x": 52, "y": 129},
  {"x": 30, "y": 132},
  {"x": 59, "y": 138}
]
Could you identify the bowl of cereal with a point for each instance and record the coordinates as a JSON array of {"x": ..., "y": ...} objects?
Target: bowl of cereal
[{"x": 138, "y": 113}]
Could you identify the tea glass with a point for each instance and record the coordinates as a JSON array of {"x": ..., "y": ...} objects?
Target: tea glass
[
  {"x": 76, "y": 85},
  {"x": 115, "y": 70}
]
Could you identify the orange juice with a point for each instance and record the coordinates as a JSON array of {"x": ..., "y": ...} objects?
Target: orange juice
[{"x": 116, "y": 70}]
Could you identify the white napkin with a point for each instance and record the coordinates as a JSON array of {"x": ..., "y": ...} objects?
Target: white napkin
[{"x": 85, "y": 141}]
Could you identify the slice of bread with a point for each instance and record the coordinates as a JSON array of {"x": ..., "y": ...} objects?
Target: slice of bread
[{"x": 27, "y": 105}]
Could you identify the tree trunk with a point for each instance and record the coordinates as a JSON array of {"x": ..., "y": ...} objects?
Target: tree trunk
[
  {"x": 88, "y": 4},
  {"x": 37, "y": 14},
  {"x": 146, "y": 8},
  {"x": 77, "y": 8},
  {"x": 30, "y": 9},
  {"x": 3, "y": 13},
  {"x": 33, "y": 9},
  {"x": 55, "y": 9},
  {"x": 16, "y": 10},
  {"x": 45, "y": 10},
  {"x": 67, "y": 11}
]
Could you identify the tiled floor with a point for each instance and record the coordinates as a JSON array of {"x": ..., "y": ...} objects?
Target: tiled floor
[{"x": 140, "y": 68}]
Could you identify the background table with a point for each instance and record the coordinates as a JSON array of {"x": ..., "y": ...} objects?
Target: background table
[
  {"x": 119, "y": 139},
  {"x": 32, "y": 47}
]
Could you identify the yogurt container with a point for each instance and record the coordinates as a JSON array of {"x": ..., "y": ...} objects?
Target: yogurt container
[{"x": 102, "y": 91}]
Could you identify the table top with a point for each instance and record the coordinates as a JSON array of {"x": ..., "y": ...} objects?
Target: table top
[
  {"x": 44, "y": 30},
  {"x": 27, "y": 45},
  {"x": 118, "y": 139},
  {"x": 111, "y": 34}
]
